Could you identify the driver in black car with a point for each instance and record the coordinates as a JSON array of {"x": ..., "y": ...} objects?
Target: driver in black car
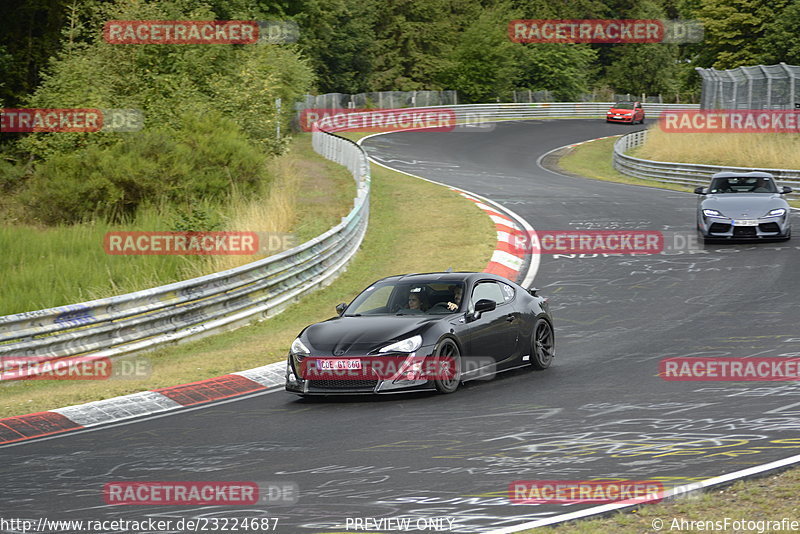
[{"x": 458, "y": 293}]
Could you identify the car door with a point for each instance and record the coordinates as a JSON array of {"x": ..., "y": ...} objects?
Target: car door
[{"x": 495, "y": 333}]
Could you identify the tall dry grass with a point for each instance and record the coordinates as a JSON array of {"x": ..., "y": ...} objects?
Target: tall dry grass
[
  {"x": 272, "y": 209},
  {"x": 764, "y": 151}
]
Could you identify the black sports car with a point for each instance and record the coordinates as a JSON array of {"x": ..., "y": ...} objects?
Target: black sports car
[{"x": 415, "y": 332}]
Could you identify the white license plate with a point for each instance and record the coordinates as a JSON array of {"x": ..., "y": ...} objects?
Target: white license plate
[
  {"x": 745, "y": 222},
  {"x": 343, "y": 364}
]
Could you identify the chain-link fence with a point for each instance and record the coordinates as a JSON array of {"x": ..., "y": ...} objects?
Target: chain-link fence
[
  {"x": 529, "y": 96},
  {"x": 758, "y": 87}
]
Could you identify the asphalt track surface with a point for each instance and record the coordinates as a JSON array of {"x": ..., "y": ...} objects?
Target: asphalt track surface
[{"x": 600, "y": 411}]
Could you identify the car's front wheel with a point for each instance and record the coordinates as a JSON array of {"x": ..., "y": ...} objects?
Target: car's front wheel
[
  {"x": 543, "y": 345},
  {"x": 448, "y": 358}
]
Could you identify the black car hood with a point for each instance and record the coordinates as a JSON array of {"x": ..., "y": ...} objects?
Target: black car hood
[{"x": 350, "y": 336}]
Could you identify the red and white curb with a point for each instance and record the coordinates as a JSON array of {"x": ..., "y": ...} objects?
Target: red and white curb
[
  {"x": 91, "y": 414},
  {"x": 587, "y": 141},
  {"x": 507, "y": 260}
]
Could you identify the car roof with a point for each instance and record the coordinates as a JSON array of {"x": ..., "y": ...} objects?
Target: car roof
[
  {"x": 754, "y": 174},
  {"x": 465, "y": 276}
]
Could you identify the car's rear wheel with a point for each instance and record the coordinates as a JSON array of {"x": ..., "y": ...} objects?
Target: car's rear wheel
[
  {"x": 543, "y": 345},
  {"x": 447, "y": 356}
]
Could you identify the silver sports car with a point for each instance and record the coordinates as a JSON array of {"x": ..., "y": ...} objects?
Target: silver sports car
[{"x": 746, "y": 205}]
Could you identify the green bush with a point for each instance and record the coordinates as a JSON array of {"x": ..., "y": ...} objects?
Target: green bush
[{"x": 204, "y": 160}]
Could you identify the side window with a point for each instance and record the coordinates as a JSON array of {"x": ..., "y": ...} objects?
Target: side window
[
  {"x": 488, "y": 290},
  {"x": 508, "y": 292}
]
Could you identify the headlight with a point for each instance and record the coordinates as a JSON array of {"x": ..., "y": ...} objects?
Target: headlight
[
  {"x": 777, "y": 212},
  {"x": 609, "y": 113},
  {"x": 712, "y": 213},
  {"x": 406, "y": 345},
  {"x": 299, "y": 348}
]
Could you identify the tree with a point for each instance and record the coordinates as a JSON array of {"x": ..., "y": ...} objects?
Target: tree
[
  {"x": 781, "y": 41},
  {"x": 339, "y": 38},
  {"x": 736, "y": 31},
  {"x": 644, "y": 68}
]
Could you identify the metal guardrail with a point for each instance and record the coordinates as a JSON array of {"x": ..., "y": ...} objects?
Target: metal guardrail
[
  {"x": 223, "y": 301},
  {"x": 690, "y": 174},
  {"x": 200, "y": 306}
]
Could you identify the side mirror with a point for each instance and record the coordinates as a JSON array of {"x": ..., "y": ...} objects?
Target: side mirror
[
  {"x": 481, "y": 306},
  {"x": 699, "y": 190},
  {"x": 485, "y": 305},
  {"x": 786, "y": 189},
  {"x": 340, "y": 308}
]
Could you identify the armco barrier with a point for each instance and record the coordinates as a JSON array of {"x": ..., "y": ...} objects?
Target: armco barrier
[
  {"x": 491, "y": 112},
  {"x": 689, "y": 174},
  {"x": 222, "y": 301}
]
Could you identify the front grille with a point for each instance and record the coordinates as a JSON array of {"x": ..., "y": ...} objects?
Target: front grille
[
  {"x": 744, "y": 231},
  {"x": 343, "y": 384},
  {"x": 769, "y": 227},
  {"x": 719, "y": 228}
]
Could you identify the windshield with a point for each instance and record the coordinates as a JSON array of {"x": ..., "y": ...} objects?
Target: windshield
[
  {"x": 623, "y": 105},
  {"x": 742, "y": 184},
  {"x": 405, "y": 298}
]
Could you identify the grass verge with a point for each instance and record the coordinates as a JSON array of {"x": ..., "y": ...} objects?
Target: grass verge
[
  {"x": 593, "y": 160},
  {"x": 770, "y": 498},
  {"x": 414, "y": 226},
  {"x": 758, "y": 150}
]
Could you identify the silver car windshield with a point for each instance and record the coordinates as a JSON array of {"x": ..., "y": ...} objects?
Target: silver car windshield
[{"x": 748, "y": 184}]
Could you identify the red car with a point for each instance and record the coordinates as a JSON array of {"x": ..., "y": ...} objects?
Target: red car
[{"x": 630, "y": 112}]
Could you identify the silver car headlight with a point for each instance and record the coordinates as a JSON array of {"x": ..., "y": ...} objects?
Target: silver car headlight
[
  {"x": 712, "y": 213},
  {"x": 406, "y": 345},
  {"x": 777, "y": 212}
]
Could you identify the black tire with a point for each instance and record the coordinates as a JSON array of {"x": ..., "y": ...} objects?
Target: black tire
[
  {"x": 448, "y": 348},
  {"x": 543, "y": 345}
]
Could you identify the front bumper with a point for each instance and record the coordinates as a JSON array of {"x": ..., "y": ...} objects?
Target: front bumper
[
  {"x": 724, "y": 228},
  {"x": 360, "y": 386},
  {"x": 623, "y": 118}
]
